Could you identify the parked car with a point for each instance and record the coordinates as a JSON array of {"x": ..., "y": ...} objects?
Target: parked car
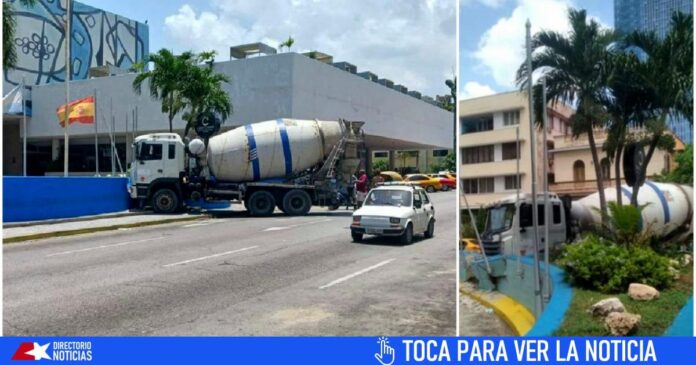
[
  {"x": 394, "y": 210},
  {"x": 390, "y": 176},
  {"x": 447, "y": 181},
  {"x": 424, "y": 181}
]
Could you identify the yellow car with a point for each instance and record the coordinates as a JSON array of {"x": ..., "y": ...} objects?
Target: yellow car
[
  {"x": 470, "y": 245},
  {"x": 428, "y": 183},
  {"x": 390, "y": 176}
]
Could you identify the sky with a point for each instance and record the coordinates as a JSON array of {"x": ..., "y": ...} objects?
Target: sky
[
  {"x": 491, "y": 37},
  {"x": 412, "y": 43}
]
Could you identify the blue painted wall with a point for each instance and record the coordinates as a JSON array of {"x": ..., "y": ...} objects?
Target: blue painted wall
[{"x": 38, "y": 198}]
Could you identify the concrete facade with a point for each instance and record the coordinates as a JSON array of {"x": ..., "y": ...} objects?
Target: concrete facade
[
  {"x": 491, "y": 171},
  {"x": 262, "y": 88}
]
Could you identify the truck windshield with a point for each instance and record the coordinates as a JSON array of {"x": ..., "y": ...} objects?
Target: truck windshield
[
  {"x": 399, "y": 198},
  {"x": 500, "y": 218}
]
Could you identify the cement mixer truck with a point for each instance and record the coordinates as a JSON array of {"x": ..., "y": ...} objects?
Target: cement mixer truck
[
  {"x": 668, "y": 209},
  {"x": 290, "y": 164}
]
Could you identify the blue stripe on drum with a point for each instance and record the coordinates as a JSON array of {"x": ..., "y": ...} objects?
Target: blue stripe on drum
[
  {"x": 663, "y": 200},
  {"x": 627, "y": 193},
  {"x": 286, "y": 145},
  {"x": 253, "y": 153}
]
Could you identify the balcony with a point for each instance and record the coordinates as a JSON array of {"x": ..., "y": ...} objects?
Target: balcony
[
  {"x": 578, "y": 189},
  {"x": 487, "y": 169},
  {"x": 493, "y": 136}
]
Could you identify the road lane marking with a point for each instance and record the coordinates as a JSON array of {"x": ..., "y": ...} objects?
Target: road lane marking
[
  {"x": 210, "y": 256},
  {"x": 348, "y": 277},
  {"x": 103, "y": 246},
  {"x": 281, "y": 228}
]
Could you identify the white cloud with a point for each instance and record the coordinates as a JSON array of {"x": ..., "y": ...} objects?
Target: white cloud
[
  {"x": 488, "y": 3},
  {"x": 473, "y": 89},
  {"x": 411, "y": 43},
  {"x": 501, "y": 48}
]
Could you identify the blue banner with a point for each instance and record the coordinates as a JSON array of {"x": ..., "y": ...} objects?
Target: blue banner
[{"x": 348, "y": 350}]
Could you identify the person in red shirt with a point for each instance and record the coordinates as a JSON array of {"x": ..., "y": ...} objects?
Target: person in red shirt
[{"x": 361, "y": 187}]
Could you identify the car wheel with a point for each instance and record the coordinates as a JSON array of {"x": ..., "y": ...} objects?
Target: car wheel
[
  {"x": 165, "y": 201},
  {"x": 407, "y": 236},
  {"x": 261, "y": 203},
  {"x": 357, "y": 237},
  {"x": 445, "y": 188},
  {"x": 431, "y": 229},
  {"x": 430, "y": 189},
  {"x": 297, "y": 202}
]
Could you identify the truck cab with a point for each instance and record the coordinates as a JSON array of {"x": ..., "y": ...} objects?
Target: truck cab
[
  {"x": 157, "y": 169},
  {"x": 510, "y": 229}
]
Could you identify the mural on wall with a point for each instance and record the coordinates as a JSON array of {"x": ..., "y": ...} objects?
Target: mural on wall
[{"x": 99, "y": 38}]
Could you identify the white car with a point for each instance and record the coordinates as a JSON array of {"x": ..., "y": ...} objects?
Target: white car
[{"x": 394, "y": 210}]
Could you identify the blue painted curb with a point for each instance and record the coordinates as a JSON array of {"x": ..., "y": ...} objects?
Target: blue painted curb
[
  {"x": 683, "y": 324},
  {"x": 555, "y": 310}
]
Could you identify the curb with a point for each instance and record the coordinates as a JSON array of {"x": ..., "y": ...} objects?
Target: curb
[
  {"x": 516, "y": 315},
  {"x": 73, "y": 219},
  {"x": 73, "y": 232}
]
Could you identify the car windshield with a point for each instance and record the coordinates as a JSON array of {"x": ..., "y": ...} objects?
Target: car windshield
[
  {"x": 500, "y": 218},
  {"x": 399, "y": 198}
]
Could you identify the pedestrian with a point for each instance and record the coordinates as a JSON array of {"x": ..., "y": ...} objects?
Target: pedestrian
[
  {"x": 361, "y": 187},
  {"x": 378, "y": 178},
  {"x": 350, "y": 190}
]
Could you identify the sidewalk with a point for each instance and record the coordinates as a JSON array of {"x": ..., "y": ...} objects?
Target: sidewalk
[{"x": 17, "y": 232}]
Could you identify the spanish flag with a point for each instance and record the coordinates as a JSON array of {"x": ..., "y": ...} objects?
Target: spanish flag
[{"x": 81, "y": 111}]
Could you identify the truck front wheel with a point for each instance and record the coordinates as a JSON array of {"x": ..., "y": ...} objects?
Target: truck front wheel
[
  {"x": 165, "y": 201},
  {"x": 297, "y": 202},
  {"x": 261, "y": 203}
]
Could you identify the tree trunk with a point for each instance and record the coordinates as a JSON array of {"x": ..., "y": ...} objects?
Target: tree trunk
[
  {"x": 644, "y": 168},
  {"x": 598, "y": 173},
  {"x": 617, "y": 172}
]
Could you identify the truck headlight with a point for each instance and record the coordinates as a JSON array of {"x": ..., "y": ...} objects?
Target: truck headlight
[
  {"x": 395, "y": 220},
  {"x": 495, "y": 238}
]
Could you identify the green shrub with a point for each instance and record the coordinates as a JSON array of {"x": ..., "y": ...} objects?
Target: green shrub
[
  {"x": 381, "y": 165},
  {"x": 598, "y": 264}
]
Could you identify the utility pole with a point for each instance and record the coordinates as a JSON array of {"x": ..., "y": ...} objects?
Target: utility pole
[
  {"x": 532, "y": 145},
  {"x": 68, "y": 69},
  {"x": 547, "y": 285}
]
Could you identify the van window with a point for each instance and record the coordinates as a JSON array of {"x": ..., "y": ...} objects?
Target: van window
[
  {"x": 556, "y": 213},
  {"x": 526, "y": 218},
  {"x": 150, "y": 151}
]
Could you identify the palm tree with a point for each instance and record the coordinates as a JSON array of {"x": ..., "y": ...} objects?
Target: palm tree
[
  {"x": 626, "y": 104},
  {"x": 202, "y": 92},
  {"x": 666, "y": 71},
  {"x": 165, "y": 80},
  {"x": 574, "y": 66},
  {"x": 9, "y": 26},
  {"x": 288, "y": 43}
]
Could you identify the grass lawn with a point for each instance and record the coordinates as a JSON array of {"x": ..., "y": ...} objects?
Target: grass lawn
[{"x": 657, "y": 315}]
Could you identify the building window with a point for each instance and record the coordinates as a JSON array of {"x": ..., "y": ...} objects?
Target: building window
[
  {"x": 439, "y": 153},
  {"x": 476, "y": 124},
  {"x": 606, "y": 168},
  {"x": 511, "y": 182},
  {"x": 480, "y": 154},
  {"x": 578, "y": 171},
  {"x": 381, "y": 154},
  {"x": 511, "y": 117},
  {"x": 510, "y": 151},
  {"x": 479, "y": 185}
]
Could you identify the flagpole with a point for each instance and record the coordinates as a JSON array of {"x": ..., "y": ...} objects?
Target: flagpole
[
  {"x": 111, "y": 139},
  {"x": 67, "y": 86},
  {"x": 96, "y": 133},
  {"x": 24, "y": 132}
]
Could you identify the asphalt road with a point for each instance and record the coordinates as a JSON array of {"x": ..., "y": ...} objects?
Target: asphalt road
[{"x": 235, "y": 275}]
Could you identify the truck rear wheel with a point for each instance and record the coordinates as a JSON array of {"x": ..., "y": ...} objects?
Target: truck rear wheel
[
  {"x": 165, "y": 201},
  {"x": 297, "y": 202},
  {"x": 261, "y": 203}
]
